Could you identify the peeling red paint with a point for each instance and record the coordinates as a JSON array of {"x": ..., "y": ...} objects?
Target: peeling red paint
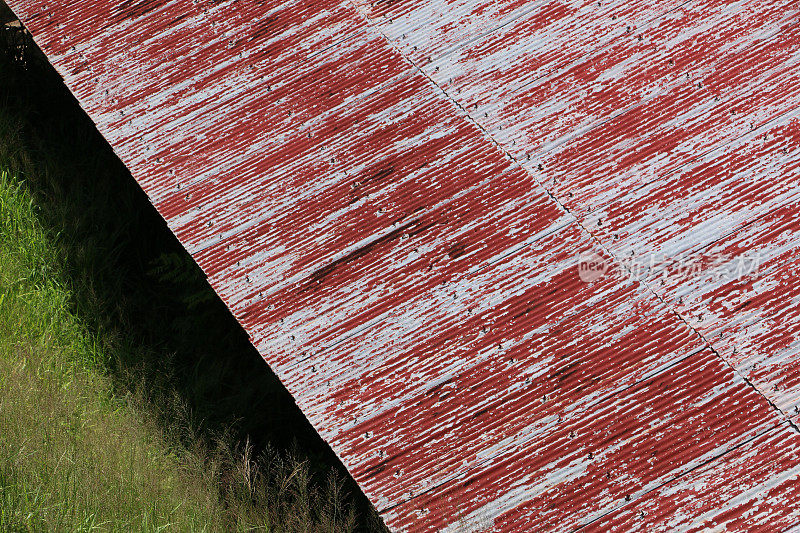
[{"x": 392, "y": 198}]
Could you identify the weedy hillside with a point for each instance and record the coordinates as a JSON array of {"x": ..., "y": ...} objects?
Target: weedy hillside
[{"x": 130, "y": 399}]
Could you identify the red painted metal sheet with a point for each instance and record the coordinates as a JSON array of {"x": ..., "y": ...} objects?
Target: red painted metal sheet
[
  {"x": 458, "y": 231},
  {"x": 590, "y": 463},
  {"x": 731, "y": 493},
  {"x": 664, "y": 128}
]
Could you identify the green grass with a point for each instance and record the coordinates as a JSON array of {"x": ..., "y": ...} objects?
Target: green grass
[
  {"x": 130, "y": 400},
  {"x": 74, "y": 456}
]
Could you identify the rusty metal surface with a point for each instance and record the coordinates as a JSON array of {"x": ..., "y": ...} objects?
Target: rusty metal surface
[{"x": 394, "y": 198}]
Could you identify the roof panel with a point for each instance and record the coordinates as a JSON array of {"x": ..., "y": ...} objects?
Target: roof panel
[
  {"x": 589, "y": 463},
  {"x": 668, "y": 130},
  {"x": 753, "y": 487}
]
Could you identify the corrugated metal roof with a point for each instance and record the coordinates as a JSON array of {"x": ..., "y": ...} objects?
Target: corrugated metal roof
[{"x": 521, "y": 263}]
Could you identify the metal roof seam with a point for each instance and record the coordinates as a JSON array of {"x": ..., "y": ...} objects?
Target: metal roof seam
[{"x": 565, "y": 209}]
